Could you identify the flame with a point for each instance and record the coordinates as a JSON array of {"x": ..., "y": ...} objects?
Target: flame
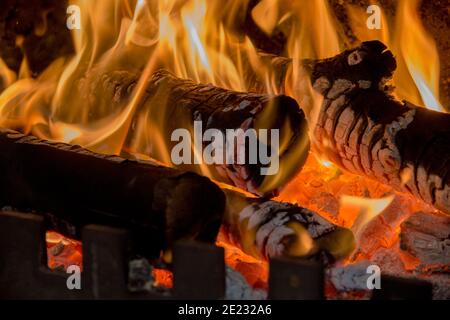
[
  {"x": 367, "y": 209},
  {"x": 7, "y": 76},
  {"x": 192, "y": 39},
  {"x": 196, "y": 39},
  {"x": 419, "y": 52},
  {"x": 266, "y": 15},
  {"x": 417, "y": 77}
]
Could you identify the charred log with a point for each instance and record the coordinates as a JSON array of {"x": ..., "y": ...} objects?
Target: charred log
[
  {"x": 170, "y": 103},
  {"x": 159, "y": 205},
  {"x": 267, "y": 228},
  {"x": 365, "y": 130},
  {"x": 427, "y": 237}
]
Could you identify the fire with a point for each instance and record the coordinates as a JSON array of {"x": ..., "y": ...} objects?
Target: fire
[
  {"x": 7, "y": 76},
  {"x": 420, "y": 55},
  {"x": 62, "y": 252},
  {"x": 195, "y": 39},
  {"x": 366, "y": 209},
  {"x": 417, "y": 77}
]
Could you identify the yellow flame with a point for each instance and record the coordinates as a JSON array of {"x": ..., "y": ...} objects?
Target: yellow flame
[
  {"x": 313, "y": 35},
  {"x": 418, "y": 49},
  {"x": 7, "y": 76},
  {"x": 417, "y": 75},
  {"x": 366, "y": 210},
  {"x": 265, "y": 15}
]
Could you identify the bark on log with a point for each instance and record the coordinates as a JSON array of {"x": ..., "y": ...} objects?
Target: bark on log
[
  {"x": 365, "y": 130},
  {"x": 159, "y": 205},
  {"x": 267, "y": 228},
  {"x": 171, "y": 103},
  {"x": 427, "y": 237}
]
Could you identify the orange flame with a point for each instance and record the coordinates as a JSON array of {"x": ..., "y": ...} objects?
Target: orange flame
[
  {"x": 417, "y": 77},
  {"x": 367, "y": 209}
]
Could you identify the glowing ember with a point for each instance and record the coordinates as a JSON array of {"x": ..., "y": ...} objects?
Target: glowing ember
[{"x": 62, "y": 252}]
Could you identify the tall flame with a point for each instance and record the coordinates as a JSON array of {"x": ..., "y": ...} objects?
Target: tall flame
[
  {"x": 366, "y": 210},
  {"x": 417, "y": 77},
  {"x": 418, "y": 49}
]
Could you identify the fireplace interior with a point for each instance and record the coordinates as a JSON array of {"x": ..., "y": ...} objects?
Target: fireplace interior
[{"x": 352, "y": 200}]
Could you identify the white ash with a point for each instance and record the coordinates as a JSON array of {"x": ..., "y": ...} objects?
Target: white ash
[
  {"x": 322, "y": 84},
  {"x": 237, "y": 288},
  {"x": 274, "y": 246},
  {"x": 264, "y": 231},
  {"x": 339, "y": 87},
  {"x": 441, "y": 286},
  {"x": 351, "y": 277},
  {"x": 355, "y": 58},
  {"x": 140, "y": 275}
]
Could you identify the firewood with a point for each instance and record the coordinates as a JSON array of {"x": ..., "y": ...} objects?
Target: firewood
[
  {"x": 268, "y": 228},
  {"x": 427, "y": 237},
  {"x": 171, "y": 103},
  {"x": 158, "y": 204},
  {"x": 364, "y": 129}
]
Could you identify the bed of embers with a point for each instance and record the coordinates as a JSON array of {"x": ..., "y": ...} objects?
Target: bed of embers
[{"x": 364, "y": 164}]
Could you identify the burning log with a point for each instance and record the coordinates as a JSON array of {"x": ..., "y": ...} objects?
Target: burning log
[
  {"x": 171, "y": 104},
  {"x": 427, "y": 237},
  {"x": 159, "y": 205},
  {"x": 267, "y": 228},
  {"x": 365, "y": 130}
]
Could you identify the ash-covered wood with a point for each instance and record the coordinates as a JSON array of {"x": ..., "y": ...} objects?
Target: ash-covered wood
[
  {"x": 427, "y": 237},
  {"x": 237, "y": 287},
  {"x": 267, "y": 229},
  {"x": 171, "y": 103},
  {"x": 365, "y": 130},
  {"x": 350, "y": 277},
  {"x": 159, "y": 205}
]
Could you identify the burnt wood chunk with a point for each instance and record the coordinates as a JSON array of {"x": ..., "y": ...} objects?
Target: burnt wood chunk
[
  {"x": 158, "y": 204},
  {"x": 427, "y": 237},
  {"x": 267, "y": 229},
  {"x": 170, "y": 103},
  {"x": 364, "y": 129}
]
